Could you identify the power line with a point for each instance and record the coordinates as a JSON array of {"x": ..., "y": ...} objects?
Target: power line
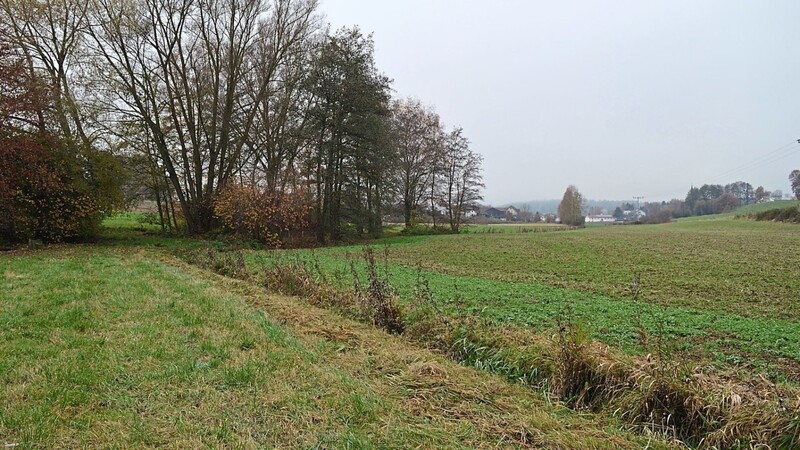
[{"x": 761, "y": 161}]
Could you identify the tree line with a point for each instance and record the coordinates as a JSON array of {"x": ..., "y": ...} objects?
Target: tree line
[
  {"x": 710, "y": 199},
  {"x": 238, "y": 113}
]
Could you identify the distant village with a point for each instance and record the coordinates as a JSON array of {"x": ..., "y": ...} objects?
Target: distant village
[{"x": 514, "y": 214}]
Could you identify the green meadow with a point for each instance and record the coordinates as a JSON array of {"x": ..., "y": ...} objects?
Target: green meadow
[
  {"x": 721, "y": 290},
  {"x": 122, "y": 343}
]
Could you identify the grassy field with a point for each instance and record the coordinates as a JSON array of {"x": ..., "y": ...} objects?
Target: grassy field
[
  {"x": 122, "y": 343},
  {"x": 131, "y": 221},
  {"x": 513, "y": 228},
  {"x": 760, "y": 207},
  {"x": 121, "y": 346},
  {"x": 738, "y": 266},
  {"x": 723, "y": 290}
]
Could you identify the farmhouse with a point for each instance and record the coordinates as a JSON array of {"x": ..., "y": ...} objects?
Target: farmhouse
[
  {"x": 510, "y": 213},
  {"x": 440, "y": 209},
  {"x": 633, "y": 215}
]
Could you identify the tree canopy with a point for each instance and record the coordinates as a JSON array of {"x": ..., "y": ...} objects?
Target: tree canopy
[
  {"x": 196, "y": 97},
  {"x": 570, "y": 210}
]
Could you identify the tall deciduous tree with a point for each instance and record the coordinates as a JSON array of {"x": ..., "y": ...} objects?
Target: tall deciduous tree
[
  {"x": 571, "y": 207},
  {"x": 281, "y": 59},
  {"x": 45, "y": 192},
  {"x": 794, "y": 179},
  {"x": 51, "y": 35},
  {"x": 741, "y": 190},
  {"x": 761, "y": 194},
  {"x": 416, "y": 133},
  {"x": 23, "y": 97},
  {"x": 711, "y": 191},
  {"x": 726, "y": 202},
  {"x": 181, "y": 67}
]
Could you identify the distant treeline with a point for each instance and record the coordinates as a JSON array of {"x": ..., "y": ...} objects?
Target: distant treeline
[{"x": 709, "y": 199}]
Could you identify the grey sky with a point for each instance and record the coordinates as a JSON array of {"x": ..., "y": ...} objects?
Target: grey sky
[{"x": 621, "y": 98}]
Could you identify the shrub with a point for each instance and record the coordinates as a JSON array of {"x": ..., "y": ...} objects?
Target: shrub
[
  {"x": 425, "y": 230},
  {"x": 790, "y": 214},
  {"x": 39, "y": 197},
  {"x": 227, "y": 263},
  {"x": 269, "y": 218}
]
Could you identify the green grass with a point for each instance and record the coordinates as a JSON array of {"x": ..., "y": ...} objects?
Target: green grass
[
  {"x": 512, "y": 228},
  {"x": 726, "y": 265},
  {"x": 760, "y": 207},
  {"x": 722, "y": 290},
  {"x": 131, "y": 221},
  {"x": 107, "y": 346}
]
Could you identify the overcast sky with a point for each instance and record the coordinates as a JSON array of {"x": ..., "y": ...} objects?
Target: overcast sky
[{"x": 620, "y": 98}]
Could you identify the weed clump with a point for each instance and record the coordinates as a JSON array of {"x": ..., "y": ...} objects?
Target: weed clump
[
  {"x": 226, "y": 263},
  {"x": 575, "y": 379},
  {"x": 765, "y": 427},
  {"x": 667, "y": 403},
  {"x": 374, "y": 300},
  {"x": 290, "y": 277},
  {"x": 586, "y": 374},
  {"x": 378, "y": 298}
]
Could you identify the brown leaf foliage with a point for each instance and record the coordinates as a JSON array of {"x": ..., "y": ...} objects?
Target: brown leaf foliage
[
  {"x": 268, "y": 217},
  {"x": 23, "y": 97},
  {"x": 37, "y": 198}
]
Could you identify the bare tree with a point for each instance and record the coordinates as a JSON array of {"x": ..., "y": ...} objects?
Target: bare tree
[
  {"x": 181, "y": 67},
  {"x": 282, "y": 57},
  {"x": 437, "y": 170},
  {"x": 416, "y": 133},
  {"x": 462, "y": 178},
  {"x": 51, "y": 35},
  {"x": 761, "y": 194},
  {"x": 525, "y": 213}
]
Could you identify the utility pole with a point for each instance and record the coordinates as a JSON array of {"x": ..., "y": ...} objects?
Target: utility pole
[{"x": 637, "y": 205}]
